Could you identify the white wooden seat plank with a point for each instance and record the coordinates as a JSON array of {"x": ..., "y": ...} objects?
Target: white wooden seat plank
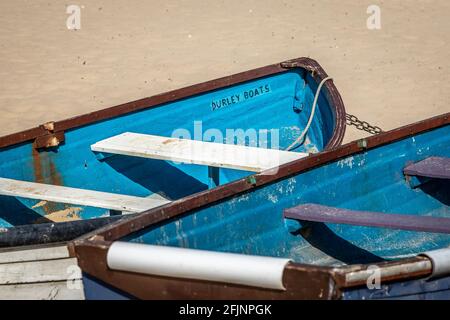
[
  {"x": 36, "y": 254},
  {"x": 83, "y": 197},
  {"x": 56, "y": 290},
  {"x": 39, "y": 271},
  {"x": 195, "y": 152}
]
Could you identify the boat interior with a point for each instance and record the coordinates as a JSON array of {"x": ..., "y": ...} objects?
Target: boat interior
[
  {"x": 146, "y": 158},
  {"x": 379, "y": 204}
]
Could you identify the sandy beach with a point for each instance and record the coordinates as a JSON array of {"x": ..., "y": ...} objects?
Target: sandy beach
[{"x": 126, "y": 50}]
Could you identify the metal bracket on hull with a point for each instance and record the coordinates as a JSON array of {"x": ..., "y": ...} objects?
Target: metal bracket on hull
[
  {"x": 51, "y": 139},
  {"x": 296, "y": 64}
]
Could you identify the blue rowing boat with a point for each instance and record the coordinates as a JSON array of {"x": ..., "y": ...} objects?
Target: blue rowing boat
[
  {"x": 87, "y": 171},
  {"x": 369, "y": 219}
]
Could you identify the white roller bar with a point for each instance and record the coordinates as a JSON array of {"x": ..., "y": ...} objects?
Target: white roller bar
[{"x": 255, "y": 271}]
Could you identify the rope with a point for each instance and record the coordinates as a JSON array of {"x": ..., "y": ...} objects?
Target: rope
[{"x": 313, "y": 110}]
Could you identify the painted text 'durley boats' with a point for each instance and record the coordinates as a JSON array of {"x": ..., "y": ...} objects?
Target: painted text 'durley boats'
[{"x": 239, "y": 97}]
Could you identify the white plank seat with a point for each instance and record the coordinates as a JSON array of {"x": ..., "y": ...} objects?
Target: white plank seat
[
  {"x": 116, "y": 203},
  {"x": 214, "y": 155}
]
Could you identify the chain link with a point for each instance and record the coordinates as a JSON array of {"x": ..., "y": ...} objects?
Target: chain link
[{"x": 352, "y": 120}]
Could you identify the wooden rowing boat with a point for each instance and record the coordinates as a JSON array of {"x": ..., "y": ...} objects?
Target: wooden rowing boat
[
  {"x": 369, "y": 219},
  {"x": 146, "y": 153},
  {"x": 63, "y": 179}
]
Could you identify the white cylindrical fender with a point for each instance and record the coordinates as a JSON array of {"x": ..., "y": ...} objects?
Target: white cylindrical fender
[
  {"x": 440, "y": 260},
  {"x": 255, "y": 271}
]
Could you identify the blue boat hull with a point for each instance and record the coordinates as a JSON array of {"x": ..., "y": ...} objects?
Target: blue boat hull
[
  {"x": 246, "y": 217},
  {"x": 268, "y": 98},
  {"x": 252, "y": 223}
]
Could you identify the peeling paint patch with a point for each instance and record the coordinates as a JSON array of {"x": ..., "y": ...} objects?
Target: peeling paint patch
[
  {"x": 346, "y": 162},
  {"x": 309, "y": 146},
  {"x": 69, "y": 214},
  {"x": 39, "y": 204},
  {"x": 362, "y": 162},
  {"x": 241, "y": 198},
  {"x": 291, "y": 185},
  {"x": 273, "y": 198}
]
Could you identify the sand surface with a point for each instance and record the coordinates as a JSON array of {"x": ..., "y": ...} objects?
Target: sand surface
[{"x": 131, "y": 49}]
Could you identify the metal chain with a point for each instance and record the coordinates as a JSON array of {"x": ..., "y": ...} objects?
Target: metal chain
[{"x": 352, "y": 120}]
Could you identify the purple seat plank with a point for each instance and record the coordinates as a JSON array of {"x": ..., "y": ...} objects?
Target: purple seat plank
[
  {"x": 319, "y": 213},
  {"x": 432, "y": 167}
]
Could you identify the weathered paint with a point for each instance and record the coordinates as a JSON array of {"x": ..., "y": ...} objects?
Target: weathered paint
[
  {"x": 45, "y": 172},
  {"x": 372, "y": 180},
  {"x": 73, "y": 164},
  {"x": 39, "y": 273},
  {"x": 69, "y": 214},
  {"x": 319, "y": 178}
]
